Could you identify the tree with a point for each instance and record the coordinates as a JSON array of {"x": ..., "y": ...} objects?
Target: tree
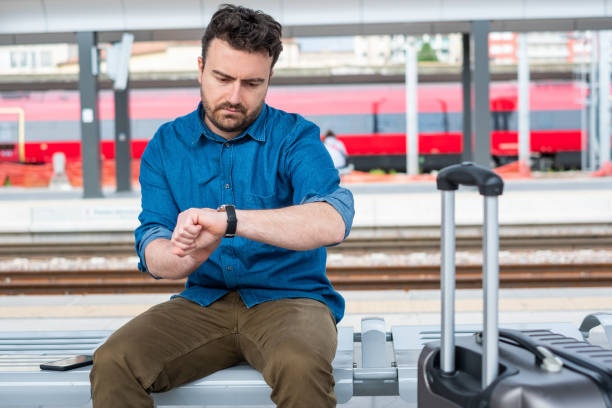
[{"x": 426, "y": 53}]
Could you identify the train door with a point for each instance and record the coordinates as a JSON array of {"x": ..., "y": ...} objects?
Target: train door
[{"x": 12, "y": 137}]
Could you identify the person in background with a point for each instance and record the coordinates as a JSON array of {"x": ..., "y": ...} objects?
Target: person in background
[
  {"x": 240, "y": 199},
  {"x": 336, "y": 149}
]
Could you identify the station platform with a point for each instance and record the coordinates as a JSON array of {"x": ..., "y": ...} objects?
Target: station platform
[
  {"x": 554, "y": 200},
  {"x": 577, "y": 200},
  {"x": 397, "y": 307},
  {"x": 411, "y": 316}
]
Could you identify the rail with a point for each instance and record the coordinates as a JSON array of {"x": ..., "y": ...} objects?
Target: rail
[
  {"x": 372, "y": 258},
  {"x": 423, "y": 238},
  {"x": 55, "y": 280}
]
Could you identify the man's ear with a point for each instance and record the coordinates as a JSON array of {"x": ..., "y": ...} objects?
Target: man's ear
[{"x": 200, "y": 68}]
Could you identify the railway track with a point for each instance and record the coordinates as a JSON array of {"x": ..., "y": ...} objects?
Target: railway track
[
  {"x": 419, "y": 238},
  {"x": 372, "y": 258},
  {"x": 343, "y": 278}
]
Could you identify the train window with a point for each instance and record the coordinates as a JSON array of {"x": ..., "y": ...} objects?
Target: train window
[
  {"x": 555, "y": 119},
  {"x": 503, "y": 120},
  {"x": 349, "y": 124},
  {"x": 442, "y": 122},
  {"x": 8, "y": 132}
]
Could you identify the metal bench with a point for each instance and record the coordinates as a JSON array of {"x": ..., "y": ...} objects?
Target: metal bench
[
  {"x": 23, "y": 384},
  {"x": 372, "y": 362},
  {"x": 597, "y": 319}
]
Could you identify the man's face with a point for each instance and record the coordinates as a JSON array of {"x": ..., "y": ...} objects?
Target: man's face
[{"x": 233, "y": 87}]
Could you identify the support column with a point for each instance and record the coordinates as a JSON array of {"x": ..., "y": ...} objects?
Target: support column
[
  {"x": 466, "y": 86},
  {"x": 90, "y": 124},
  {"x": 481, "y": 78},
  {"x": 604, "y": 102},
  {"x": 524, "y": 126},
  {"x": 412, "y": 116},
  {"x": 123, "y": 156},
  {"x": 118, "y": 69},
  {"x": 593, "y": 102}
]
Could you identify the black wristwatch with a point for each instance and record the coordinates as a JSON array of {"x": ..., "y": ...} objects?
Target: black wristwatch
[{"x": 232, "y": 221}]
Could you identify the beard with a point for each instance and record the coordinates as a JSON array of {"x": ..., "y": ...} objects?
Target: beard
[{"x": 234, "y": 122}]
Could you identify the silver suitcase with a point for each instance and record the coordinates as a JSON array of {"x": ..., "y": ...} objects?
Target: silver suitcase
[{"x": 496, "y": 367}]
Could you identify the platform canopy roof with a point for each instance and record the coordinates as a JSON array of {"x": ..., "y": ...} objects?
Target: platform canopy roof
[{"x": 46, "y": 21}]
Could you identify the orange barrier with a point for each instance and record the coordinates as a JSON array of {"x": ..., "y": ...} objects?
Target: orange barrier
[
  {"x": 22, "y": 175},
  {"x": 515, "y": 169},
  {"x": 605, "y": 170},
  {"x": 39, "y": 175},
  {"x": 511, "y": 170},
  {"x": 363, "y": 177}
]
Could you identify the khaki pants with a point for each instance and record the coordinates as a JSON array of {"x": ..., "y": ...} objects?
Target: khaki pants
[{"x": 292, "y": 342}]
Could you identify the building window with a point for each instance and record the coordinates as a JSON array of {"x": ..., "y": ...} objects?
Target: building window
[{"x": 19, "y": 59}]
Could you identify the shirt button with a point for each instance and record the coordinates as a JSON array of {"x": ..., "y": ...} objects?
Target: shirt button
[
  {"x": 229, "y": 268},
  {"x": 227, "y": 186},
  {"x": 227, "y": 144}
]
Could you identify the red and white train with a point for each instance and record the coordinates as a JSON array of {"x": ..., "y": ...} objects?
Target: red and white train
[{"x": 369, "y": 118}]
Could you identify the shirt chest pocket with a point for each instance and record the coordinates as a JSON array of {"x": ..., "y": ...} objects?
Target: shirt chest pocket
[{"x": 265, "y": 201}]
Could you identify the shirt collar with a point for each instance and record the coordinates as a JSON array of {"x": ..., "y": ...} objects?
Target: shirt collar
[{"x": 256, "y": 131}]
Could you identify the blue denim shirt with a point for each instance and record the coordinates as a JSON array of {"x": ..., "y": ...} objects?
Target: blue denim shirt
[{"x": 277, "y": 162}]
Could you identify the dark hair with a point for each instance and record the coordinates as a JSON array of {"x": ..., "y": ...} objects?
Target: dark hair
[
  {"x": 244, "y": 29},
  {"x": 330, "y": 133}
]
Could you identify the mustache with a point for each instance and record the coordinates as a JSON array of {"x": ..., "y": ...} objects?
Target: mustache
[{"x": 239, "y": 107}]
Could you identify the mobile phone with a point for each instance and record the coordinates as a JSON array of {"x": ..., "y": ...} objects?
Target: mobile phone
[{"x": 68, "y": 363}]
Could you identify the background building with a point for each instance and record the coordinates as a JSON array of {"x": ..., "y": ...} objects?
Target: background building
[{"x": 314, "y": 56}]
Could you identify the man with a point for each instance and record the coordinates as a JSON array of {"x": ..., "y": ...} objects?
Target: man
[
  {"x": 241, "y": 199},
  {"x": 336, "y": 149}
]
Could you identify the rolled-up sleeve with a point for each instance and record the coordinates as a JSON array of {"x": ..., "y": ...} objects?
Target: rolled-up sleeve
[
  {"x": 142, "y": 242},
  {"x": 158, "y": 215},
  {"x": 342, "y": 200},
  {"x": 314, "y": 177}
]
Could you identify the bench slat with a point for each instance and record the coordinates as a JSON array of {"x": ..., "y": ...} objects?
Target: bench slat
[{"x": 23, "y": 384}]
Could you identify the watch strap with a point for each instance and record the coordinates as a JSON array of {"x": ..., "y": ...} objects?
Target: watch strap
[{"x": 232, "y": 221}]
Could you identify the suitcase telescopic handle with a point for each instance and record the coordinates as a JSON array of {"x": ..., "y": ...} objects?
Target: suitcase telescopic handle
[
  {"x": 470, "y": 174},
  {"x": 490, "y": 185}
]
